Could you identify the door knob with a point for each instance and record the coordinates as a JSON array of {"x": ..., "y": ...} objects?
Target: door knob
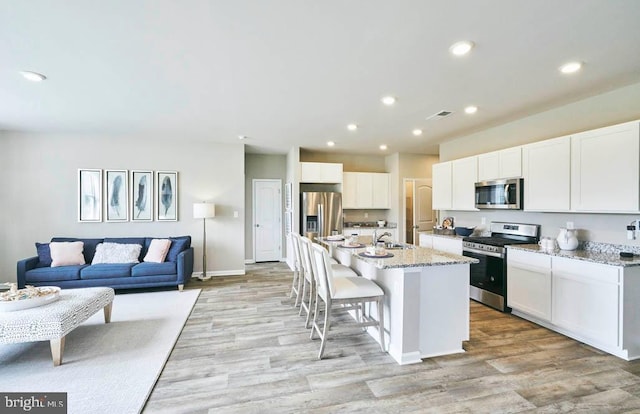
[{"x": 257, "y": 225}]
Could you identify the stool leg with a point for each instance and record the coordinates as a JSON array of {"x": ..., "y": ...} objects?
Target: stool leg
[
  {"x": 311, "y": 292},
  {"x": 325, "y": 328},
  {"x": 380, "y": 303}
]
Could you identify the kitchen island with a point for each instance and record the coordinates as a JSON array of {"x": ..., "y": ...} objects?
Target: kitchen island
[{"x": 426, "y": 299}]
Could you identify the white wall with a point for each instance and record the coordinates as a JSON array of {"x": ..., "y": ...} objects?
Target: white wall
[{"x": 38, "y": 199}]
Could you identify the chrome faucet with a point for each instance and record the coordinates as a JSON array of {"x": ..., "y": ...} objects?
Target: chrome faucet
[{"x": 377, "y": 238}]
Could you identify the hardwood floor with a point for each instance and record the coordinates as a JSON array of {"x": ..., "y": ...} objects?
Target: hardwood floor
[{"x": 244, "y": 349}]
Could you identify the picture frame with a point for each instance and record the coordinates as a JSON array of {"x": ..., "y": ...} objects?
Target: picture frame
[
  {"x": 89, "y": 195},
  {"x": 117, "y": 195},
  {"x": 141, "y": 195},
  {"x": 167, "y": 195}
]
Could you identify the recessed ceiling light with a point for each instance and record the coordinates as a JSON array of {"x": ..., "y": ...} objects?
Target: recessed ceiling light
[
  {"x": 241, "y": 137},
  {"x": 383, "y": 147},
  {"x": 352, "y": 127},
  {"x": 331, "y": 143},
  {"x": 461, "y": 48},
  {"x": 471, "y": 109},
  {"x": 388, "y": 100},
  {"x": 33, "y": 76},
  {"x": 417, "y": 132},
  {"x": 571, "y": 67}
]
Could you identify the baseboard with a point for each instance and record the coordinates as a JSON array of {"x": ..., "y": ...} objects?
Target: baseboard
[
  {"x": 249, "y": 261},
  {"x": 239, "y": 272}
]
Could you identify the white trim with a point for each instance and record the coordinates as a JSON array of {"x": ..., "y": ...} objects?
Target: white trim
[
  {"x": 237, "y": 272},
  {"x": 249, "y": 261}
]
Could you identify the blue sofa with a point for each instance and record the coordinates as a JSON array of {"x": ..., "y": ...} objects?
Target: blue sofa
[{"x": 174, "y": 271}]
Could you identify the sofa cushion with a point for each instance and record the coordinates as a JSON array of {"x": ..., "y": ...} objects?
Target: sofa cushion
[
  {"x": 66, "y": 253},
  {"x": 157, "y": 251},
  {"x": 52, "y": 274},
  {"x": 44, "y": 254},
  {"x": 89, "y": 246},
  {"x": 178, "y": 245},
  {"x": 130, "y": 240},
  {"x": 154, "y": 269},
  {"x": 106, "y": 271},
  {"x": 116, "y": 253}
]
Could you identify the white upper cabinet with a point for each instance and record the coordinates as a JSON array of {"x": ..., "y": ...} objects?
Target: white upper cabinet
[
  {"x": 546, "y": 168},
  {"x": 495, "y": 165},
  {"x": 320, "y": 172},
  {"x": 366, "y": 190},
  {"x": 464, "y": 175},
  {"x": 605, "y": 173},
  {"x": 441, "y": 175}
]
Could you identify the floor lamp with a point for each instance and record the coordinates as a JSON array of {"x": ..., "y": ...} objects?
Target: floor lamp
[{"x": 204, "y": 211}]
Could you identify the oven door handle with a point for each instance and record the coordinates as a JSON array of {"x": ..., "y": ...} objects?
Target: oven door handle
[{"x": 481, "y": 252}]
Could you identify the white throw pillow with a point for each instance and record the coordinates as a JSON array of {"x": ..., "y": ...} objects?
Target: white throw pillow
[
  {"x": 116, "y": 253},
  {"x": 158, "y": 250},
  {"x": 66, "y": 253}
]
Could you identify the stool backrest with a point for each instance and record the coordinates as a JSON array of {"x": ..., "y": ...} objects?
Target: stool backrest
[
  {"x": 324, "y": 274},
  {"x": 305, "y": 253},
  {"x": 295, "y": 239}
]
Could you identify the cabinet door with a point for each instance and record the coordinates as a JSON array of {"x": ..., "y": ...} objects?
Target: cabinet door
[
  {"x": 364, "y": 190},
  {"x": 442, "y": 186},
  {"x": 426, "y": 240},
  {"x": 546, "y": 168},
  {"x": 464, "y": 177},
  {"x": 605, "y": 175},
  {"x": 448, "y": 244},
  {"x": 310, "y": 172},
  {"x": 349, "y": 194},
  {"x": 331, "y": 173},
  {"x": 489, "y": 166},
  {"x": 586, "y": 299},
  {"x": 511, "y": 162},
  {"x": 529, "y": 283},
  {"x": 380, "y": 189}
]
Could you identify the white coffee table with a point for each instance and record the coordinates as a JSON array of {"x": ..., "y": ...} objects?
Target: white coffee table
[{"x": 52, "y": 322}]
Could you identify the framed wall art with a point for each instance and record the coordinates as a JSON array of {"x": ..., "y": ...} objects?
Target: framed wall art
[
  {"x": 117, "y": 204},
  {"x": 141, "y": 200},
  {"x": 167, "y": 195},
  {"x": 89, "y": 195}
]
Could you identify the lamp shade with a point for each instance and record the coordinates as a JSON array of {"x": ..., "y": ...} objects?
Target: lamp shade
[{"x": 204, "y": 210}]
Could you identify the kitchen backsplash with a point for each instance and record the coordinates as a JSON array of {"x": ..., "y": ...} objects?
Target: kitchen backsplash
[
  {"x": 602, "y": 228},
  {"x": 364, "y": 215}
]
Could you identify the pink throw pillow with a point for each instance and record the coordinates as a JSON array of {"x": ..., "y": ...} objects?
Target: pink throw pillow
[
  {"x": 66, "y": 253},
  {"x": 158, "y": 250}
]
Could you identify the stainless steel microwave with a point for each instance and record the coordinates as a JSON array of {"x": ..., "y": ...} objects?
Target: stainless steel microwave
[{"x": 499, "y": 194}]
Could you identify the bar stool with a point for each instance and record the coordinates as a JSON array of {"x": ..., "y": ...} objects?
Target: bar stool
[
  {"x": 297, "y": 267},
  {"x": 309, "y": 278},
  {"x": 351, "y": 292}
]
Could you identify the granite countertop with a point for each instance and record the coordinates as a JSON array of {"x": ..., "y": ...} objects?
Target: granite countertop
[
  {"x": 602, "y": 256},
  {"x": 409, "y": 257}
]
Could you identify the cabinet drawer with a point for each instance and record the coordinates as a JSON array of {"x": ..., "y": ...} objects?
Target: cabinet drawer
[
  {"x": 528, "y": 259},
  {"x": 580, "y": 269}
]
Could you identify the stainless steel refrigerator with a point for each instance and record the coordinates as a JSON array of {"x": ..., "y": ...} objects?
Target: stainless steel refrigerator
[{"x": 321, "y": 214}]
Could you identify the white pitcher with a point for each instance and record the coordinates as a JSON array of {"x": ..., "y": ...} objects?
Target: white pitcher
[{"x": 567, "y": 239}]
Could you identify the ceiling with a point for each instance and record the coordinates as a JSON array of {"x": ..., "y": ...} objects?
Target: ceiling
[{"x": 290, "y": 73}]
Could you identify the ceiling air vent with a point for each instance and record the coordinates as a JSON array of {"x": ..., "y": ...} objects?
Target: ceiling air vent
[{"x": 439, "y": 115}]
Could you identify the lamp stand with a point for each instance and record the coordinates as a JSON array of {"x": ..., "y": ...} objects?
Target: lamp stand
[{"x": 204, "y": 251}]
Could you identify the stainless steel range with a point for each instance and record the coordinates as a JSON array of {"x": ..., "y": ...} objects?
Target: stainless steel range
[{"x": 489, "y": 276}]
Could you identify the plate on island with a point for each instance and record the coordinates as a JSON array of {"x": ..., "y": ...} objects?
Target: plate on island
[
  {"x": 352, "y": 246},
  {"x": 375, "y": 256},
  {"x": 338, "y": 237}
]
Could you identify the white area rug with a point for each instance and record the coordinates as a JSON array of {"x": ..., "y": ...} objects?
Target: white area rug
[{"x": 105, "y": 368}]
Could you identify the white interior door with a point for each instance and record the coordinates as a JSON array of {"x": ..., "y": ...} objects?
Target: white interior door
[
  {"x": 267, "y": 224},
  {"x": 424, "y": 217}
]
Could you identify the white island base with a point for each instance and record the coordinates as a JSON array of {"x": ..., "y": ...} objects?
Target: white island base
[{"x": 426, "y": 308}]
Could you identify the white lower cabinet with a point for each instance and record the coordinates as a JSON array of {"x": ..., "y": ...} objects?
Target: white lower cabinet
[
  {"x": 451, "y": 245},
  {"x": 529, "y": 283},
  {"x": 591, "y": 302},
  {"x": 586, "y": 299}
]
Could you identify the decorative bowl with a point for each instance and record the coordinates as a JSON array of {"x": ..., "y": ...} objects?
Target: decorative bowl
[
  {"x": 48, "y": 294},
  {"x": 464, "y": 231}
]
